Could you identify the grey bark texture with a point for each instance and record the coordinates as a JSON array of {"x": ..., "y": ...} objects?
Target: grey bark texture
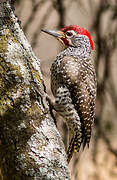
[{"x": 30, "y": 144}]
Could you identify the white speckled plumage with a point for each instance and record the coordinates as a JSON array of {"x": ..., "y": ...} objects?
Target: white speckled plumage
[{"x": 73, "y": 83}]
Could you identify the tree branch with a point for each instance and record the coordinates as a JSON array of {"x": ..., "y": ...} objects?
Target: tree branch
[{"x": 30, "y": 144}]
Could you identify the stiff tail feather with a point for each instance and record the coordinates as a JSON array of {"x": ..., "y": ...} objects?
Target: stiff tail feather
[{"x": 74, "y": 146}]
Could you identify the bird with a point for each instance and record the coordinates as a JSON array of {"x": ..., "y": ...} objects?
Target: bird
[{"x": 74, "y": 85}]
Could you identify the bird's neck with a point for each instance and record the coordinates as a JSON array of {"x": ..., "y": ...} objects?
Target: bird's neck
[{"x": 77, "y": 52}]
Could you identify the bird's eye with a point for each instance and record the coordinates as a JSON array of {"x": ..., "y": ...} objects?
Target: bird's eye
[{"x": 69, "y": 34}]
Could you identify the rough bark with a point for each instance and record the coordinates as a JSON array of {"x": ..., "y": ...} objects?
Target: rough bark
[{"x": 30, "y": 144}]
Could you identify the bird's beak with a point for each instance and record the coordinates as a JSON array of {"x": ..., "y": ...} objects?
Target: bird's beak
[{"x": 57, "y": 34}]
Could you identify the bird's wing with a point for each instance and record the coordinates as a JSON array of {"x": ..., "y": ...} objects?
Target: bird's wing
[{"x": 80, "y": 80}]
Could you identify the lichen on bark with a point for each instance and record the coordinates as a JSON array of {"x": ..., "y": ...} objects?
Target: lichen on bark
[{"x": 30, "y": 144}]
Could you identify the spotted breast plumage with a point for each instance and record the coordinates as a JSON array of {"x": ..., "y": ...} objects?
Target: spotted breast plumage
[{"x": 73, "y": 83}]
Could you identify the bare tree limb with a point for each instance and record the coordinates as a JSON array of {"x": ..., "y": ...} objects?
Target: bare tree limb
[
  {"x": 36, "y": 7},
  {"x": 59, "y": 6},
  {"x": 40, "y": 26}
]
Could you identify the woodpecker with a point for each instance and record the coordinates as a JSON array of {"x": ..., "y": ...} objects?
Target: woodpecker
[{"x": 73, "y": 84}]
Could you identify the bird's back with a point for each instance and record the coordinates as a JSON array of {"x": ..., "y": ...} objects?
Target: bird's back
[{"x": 78, "y": 75}]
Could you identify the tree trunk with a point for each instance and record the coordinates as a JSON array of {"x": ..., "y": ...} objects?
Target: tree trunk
[{"x": 30, "y": 144}]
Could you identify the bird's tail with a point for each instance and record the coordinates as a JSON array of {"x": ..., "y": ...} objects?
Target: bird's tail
[
  {"x": 70, "y": 150},
  {"x": 74, "y": 146},
  {"x": 85, "y": 142}
]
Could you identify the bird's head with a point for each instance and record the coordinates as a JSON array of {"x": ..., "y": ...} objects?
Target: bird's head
[{"x": 73, "y": 35}]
